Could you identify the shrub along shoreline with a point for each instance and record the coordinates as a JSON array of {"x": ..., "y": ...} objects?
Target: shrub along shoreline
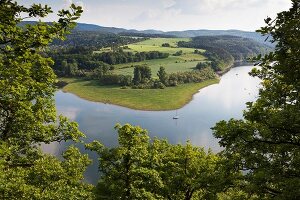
[{"x": 170, "y": 98}]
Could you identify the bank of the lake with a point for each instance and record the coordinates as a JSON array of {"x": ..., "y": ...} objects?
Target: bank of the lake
[
  {"x": 169, "y": 98},
  {"x": 221, "y": 101}
]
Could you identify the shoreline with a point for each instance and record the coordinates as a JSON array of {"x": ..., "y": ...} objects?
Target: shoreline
[{"x": 137, "y": 99}]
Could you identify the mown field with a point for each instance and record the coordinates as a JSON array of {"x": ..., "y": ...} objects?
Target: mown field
[
  {"x": 185, "y": 62},
  {"x": 169, "y": 98},
  {"x": 171, "y": 65}
]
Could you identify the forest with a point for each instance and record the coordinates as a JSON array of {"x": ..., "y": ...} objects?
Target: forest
[
  {"x": 261, "y": 152},
  {"x": 94, "y": 40}
]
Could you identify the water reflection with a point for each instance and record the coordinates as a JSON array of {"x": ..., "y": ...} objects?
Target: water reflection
[{"x": 220, "y": 101}]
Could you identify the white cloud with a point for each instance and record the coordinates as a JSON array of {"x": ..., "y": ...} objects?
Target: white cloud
[
  {"x": 67, "y": 3},
  {"x": 176, "y": 14},
  {"x": 168, "y": 3}
]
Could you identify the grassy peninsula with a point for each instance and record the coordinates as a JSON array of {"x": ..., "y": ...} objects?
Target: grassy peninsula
[
  {"x": 146, "y": 73},
  {"x": 169, "y": 98},
  {"x": 180, "y": 59}
]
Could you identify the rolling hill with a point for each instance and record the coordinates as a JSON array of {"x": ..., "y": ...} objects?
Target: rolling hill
[{"x": 187, "y": 33}]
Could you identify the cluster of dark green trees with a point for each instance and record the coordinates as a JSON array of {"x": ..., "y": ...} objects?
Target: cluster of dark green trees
[
  {"x": 27, "y": 111},
  {"x": 195, "y": 76},
  {"x": 266, "y": 143},
  {"x": 80, "y": 61},
  {"x": 202, "y": 65},
  {"x": 142, "y": 78},
  {"x": 145, "y": 35},
  {"x": 94, "y": 40},
  {"x": 261, "y": 156},
  {"x": 76, "y": 62},
  {"x": 143, "y": 169},
  {"x": 119, "y": 56},
  {"x": 166, "y": 45}
]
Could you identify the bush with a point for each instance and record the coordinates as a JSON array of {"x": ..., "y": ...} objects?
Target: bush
[
  {"x": 190, "y": 77},
  {"x": 165, "y": 45},
  {"x": 148, "y": 85},
  {"x": 114, "y": 79},
  {"x": 125, "y": 80},
  {"x": 178, "y": 53},
  {"x": 158, "y": 85},
  {"x": 202, "y": 65}
]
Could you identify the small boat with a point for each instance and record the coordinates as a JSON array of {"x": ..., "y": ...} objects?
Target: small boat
[{"x": 176, "y": 116}]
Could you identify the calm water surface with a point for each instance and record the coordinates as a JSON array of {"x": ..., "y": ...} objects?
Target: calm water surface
[{"x": 214, "y": 103}]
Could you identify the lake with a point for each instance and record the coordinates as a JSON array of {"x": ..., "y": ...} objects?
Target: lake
[{"x": 214, "y": 103}]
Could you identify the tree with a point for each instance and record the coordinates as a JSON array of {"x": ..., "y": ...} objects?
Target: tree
[
  {"x": 141, "y": 169},
  {"x": 65, "y": 68},
  {"x": 166, "y": 45},
  {"x": 162, "y": 75},
  {"x": 73, "y": 68},
  {"x": 124, "y": 169},
  {"x": 137, "y": 77},
  {"x": 27, "y": 110},
  {"x": 125, "y": 80},
  {"x": 202, "y": 65},
  {"x": 69, "y": 69},
  {"x": 141, "y": 74},
  {"x": 178, "y": 53},
  {"x": 188, "y": 172},
  {"x": 267, "y": 142}
]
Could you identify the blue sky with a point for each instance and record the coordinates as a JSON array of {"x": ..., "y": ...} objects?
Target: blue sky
[{"x": 168, "y": 15}]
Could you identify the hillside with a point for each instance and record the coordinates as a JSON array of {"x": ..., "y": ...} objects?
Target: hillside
[
  {"x": 94, "y": 40},
  {"x": 187, "y": 33},
  {"x": 224, "y": 50},
  {"x": 245, "y": 34},
  {"x": 240, "y": 48}
]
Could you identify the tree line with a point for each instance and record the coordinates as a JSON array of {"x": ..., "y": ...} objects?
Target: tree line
[
  {"x": 81, "y": 61},
  {"x": 76, "y": 62},
  {"x": 142, "y": 77},
  {"x": 94, "y": 40},
  {"x": 119, "y": 56}
]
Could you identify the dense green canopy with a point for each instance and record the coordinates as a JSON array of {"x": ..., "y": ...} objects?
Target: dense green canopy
[
  {"x": 143, "y": 169},
  {"x": 267, "y": 143},
  {"x": 27, "y": 111}
]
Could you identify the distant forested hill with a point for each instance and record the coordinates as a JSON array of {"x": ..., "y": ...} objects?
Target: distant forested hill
[
  {"x": 240, "y": 48},
  {"x": 221, "y": 50},
  {"x": 94, "y": 40},
  {"x": 224, "y": 50},
  {"x": 245, "y": 34},
  {"x": 188, "y": 33}
]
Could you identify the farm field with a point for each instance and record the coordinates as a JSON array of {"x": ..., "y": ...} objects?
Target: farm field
[
  {"x": 184, "y": 62},
  {"x": 171, "y": 65}
]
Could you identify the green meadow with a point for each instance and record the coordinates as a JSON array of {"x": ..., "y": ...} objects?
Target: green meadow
[
  {"x": 170, "y": 64},
  {"x": 169, "y": 98},
  {"x": 185, "y": 62}
]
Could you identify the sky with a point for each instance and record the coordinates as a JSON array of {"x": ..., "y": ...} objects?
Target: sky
[{"x": 173, "y": 15}]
